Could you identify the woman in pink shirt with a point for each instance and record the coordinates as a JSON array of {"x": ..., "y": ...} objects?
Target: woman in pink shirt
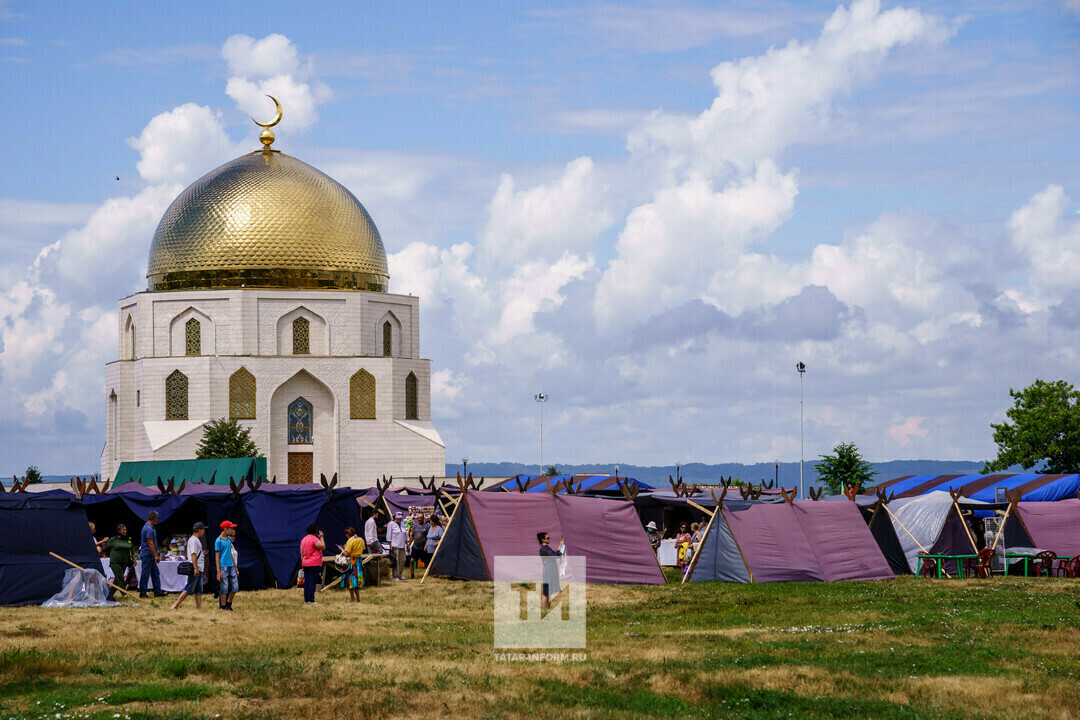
[{"x": 311, "y": 548}]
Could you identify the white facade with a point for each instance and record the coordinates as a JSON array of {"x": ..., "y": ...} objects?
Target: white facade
[{"x": 253, "y": 329}]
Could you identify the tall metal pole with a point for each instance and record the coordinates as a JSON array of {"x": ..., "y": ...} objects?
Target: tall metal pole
[
  {"x": 802, "y": 437},
  {"x": 541, "y": 398}
]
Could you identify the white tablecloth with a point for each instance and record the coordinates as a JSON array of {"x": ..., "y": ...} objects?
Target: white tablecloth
[
  {"x": 170, "y": 580},
  {"x": 667, "y": 554}
]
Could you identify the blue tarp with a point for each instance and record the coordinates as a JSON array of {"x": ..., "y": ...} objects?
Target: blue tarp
[{"x": 31, "y": 526}]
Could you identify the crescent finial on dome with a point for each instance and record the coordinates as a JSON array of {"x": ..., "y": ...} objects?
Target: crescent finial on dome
[{"x": 266, "y": 137}]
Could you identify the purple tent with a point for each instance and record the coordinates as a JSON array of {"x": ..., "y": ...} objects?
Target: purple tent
[
  {"x": 787, "y": 542},
  {"x": 1052, "y": 525},
  {"x": 606, "y": 532},
  {"x": 401, "y": 502}
]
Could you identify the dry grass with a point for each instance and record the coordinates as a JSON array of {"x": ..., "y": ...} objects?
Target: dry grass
[{"x": 1000, "y": 648}]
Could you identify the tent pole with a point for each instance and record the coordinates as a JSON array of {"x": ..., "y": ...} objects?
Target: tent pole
[
  {"x": 904, "y": 528},
  {"x": 971, "y": 536},
  {"x": 439, "y": 544},
  {"x": 1001, "y": 529},
  {"x": 701, "y": 542}
]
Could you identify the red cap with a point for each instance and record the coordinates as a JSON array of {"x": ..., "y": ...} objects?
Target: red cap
[{"x": 227, "y": 524}]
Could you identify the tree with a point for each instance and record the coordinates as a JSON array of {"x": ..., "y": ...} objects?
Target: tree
[
  {"x": 226, "y": 439},
  {"x": 33, "y": 475},
  {"x": 844, "y": 468},
  {"x": 1045, "y": 427},
  {"x": 551, "y": 470}
]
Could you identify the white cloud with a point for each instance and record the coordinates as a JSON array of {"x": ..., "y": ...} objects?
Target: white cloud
[
  {"x": 672, "y": 248},
  {"x": 766, "y": 103},
  {"x": 271, "y": 56},
  {"x": 902, "y": 432},
  {"x": 1050, "y": 240},
  {"x": 545, "y": 221},
  {"x": 182, "y": 144}
]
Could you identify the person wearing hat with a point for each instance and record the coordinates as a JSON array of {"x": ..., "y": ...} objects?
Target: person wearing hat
[
  {"x": 398, "y": 538},
  {"x": 195, "y": 554},
  {"x": 226, "y": 567},
  {"x": 655, "y": 536}
]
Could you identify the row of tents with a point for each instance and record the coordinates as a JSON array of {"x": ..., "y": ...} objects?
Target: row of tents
[{"x": 772, "y": 538}]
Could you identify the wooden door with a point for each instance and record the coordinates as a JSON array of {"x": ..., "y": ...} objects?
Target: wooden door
[{"x": 301, "y": 468}]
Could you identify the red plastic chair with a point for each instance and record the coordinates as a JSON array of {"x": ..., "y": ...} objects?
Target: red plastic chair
[
  {"x": 980, "y": 566},
  {"x": 927, "y": 566},
  {"x": 1068, "y": 568},
  {"x": 1042, "y": 564}
]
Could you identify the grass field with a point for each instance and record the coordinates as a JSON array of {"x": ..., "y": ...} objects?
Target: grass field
[{"x": 1000, "y": 648}]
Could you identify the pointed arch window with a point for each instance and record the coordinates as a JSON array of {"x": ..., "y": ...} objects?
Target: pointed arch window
[
  {"x": 193, "y": 334},
  {"x": 301, "y": 336},
  {"x": 242, "y": 395},
  {"x": 300, "y": 422},
  {"x": 129, "y": 337},
  {"x": 176, "y": 396},
  {"x": 362, "y": 396},
  {"x": 410, "y": 398},
  {"x": 387, "y": 339}
]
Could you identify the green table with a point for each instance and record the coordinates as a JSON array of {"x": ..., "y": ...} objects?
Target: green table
[
  {"x": 938, "y": 560},
  {"x": 1028, "y": 557}
]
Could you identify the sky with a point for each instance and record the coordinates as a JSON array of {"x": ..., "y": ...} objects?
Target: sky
[{"x": 649, "y": 212}]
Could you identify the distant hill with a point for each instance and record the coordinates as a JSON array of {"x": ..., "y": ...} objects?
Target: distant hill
[{"x": 711, "y": 474}]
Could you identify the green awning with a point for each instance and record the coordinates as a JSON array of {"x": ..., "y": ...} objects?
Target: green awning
[{"x": 200, "y": 471}]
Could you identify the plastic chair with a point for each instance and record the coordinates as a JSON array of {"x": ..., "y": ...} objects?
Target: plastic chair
[
  {"x": 1068, "y": 568},
  {"x": 980, "y": 566},
  {"x": 1043, "y": 563},
  {"x": 927, "y": 566}
]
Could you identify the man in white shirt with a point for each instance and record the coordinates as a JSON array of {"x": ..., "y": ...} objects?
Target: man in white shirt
[
  {"x": 398, "y": 539},
  {"x": 371, "y": 534},
  {"x": 195, "y": 554}
]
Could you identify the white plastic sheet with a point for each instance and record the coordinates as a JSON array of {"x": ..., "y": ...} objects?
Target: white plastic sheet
[
  {"x": 923, "y": 517},
  {"x": 82, "y": 588}
]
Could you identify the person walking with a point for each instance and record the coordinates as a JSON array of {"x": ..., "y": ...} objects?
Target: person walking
[
  {"x": 195, "y": 554},
  {"x": 311, "y": 547},
  {"x": 420, "y": 531},
  {"x": 354, "y": 576},
  {"x": 149, "y": 558},
  {"x": 433, "y": 537},
  {"x": 228, "y": 580},
  {"x": 548, "y": 557},
  {"x": 118, "y": 549},
  {"x": 398, "y": 538}
]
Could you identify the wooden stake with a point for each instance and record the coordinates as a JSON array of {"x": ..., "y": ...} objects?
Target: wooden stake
[{"x": 82, "y": 568}]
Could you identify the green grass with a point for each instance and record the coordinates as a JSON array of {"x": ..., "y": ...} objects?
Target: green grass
[{"x": 1004, "y": 647}]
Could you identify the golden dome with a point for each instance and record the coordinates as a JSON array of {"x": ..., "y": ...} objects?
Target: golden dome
[{"x": 267, "y": 220}]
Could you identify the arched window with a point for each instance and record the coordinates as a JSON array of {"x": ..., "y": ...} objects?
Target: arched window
[
  {"x": 129, "y": 338},
  {"x": 193, "y": 333},
  {"x": 300, "y": 422},
  {"x": 176, "y": 396},
  {"x": 387, "y": 339},
  {"x": 301, "y": 336},
  {"x": 362, "y": 396},
  {"x": 410, "y": 397},
  {"x": 242, "y": 395}
]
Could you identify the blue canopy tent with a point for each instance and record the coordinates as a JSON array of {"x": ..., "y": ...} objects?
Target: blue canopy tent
[
  {"x": 31, "y": 526},
  {"x": 1033, "y": 487}
]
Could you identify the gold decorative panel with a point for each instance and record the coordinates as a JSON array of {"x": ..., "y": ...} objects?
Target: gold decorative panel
[
  {"x": 362, "y": 396},
  {"x": 267, "y": 219},
  {"x": 411, "y": 400},
  {"x": 301, "y": 468},
  {"x": 387, "y": 339},
  {"x": 193, "y": 332},
  {"x": 176, "y": 396},
  {"x": 301, "y": 336},
  {"x": 242, "y": 395}
]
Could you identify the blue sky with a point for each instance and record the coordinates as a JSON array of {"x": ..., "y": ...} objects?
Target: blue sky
[{"x": 649, "y": 211}]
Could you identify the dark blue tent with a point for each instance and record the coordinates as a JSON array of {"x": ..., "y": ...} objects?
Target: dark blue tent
[{"x": 32, "y": 526}]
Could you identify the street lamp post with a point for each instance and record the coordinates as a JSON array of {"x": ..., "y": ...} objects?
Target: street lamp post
[
  {"x": 541, "y": 398},
  {"x": 465, "y": 467},
  {"x": 802, "y": 438},
  {"x": 678, "y": 472},
  {"x": 616, "y": 471},
  {"x": 776, "y": 476}
]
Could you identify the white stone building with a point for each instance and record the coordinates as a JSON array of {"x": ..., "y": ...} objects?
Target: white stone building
[{"x": 268, "y": 302}]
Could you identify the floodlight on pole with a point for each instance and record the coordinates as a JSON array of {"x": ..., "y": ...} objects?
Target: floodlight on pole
[
  {"x": 801, "y": 367},
  {"x": 776, "y": 476},
  {"x": 465, "y": 466},
  {"x": 678, "y": 472},
  {"x": 541, "y": 398}
]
